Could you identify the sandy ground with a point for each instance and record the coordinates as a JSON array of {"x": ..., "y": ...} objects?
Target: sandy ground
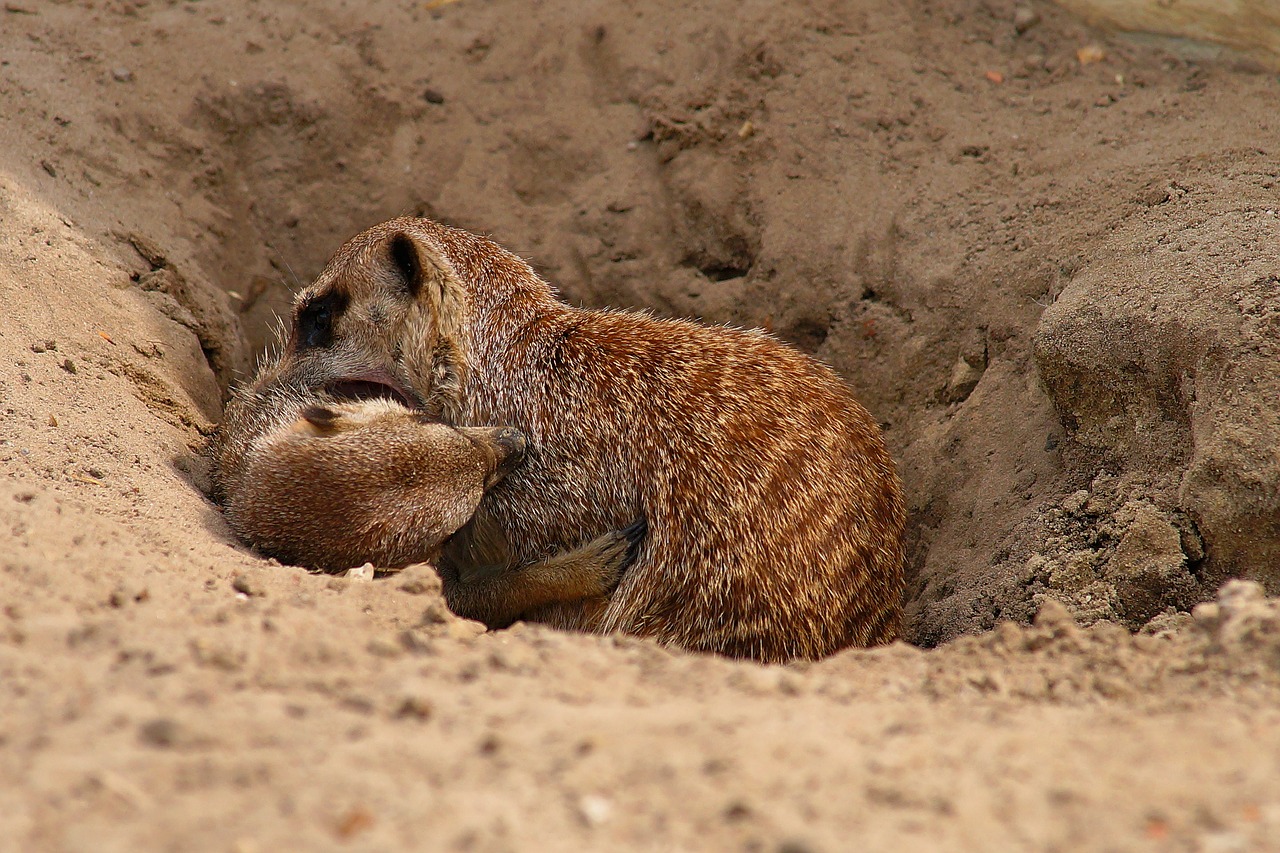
[{"x": 1047, "y": 258}]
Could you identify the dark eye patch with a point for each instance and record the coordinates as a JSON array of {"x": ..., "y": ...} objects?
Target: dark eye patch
[{"x": 316, "y": 317}]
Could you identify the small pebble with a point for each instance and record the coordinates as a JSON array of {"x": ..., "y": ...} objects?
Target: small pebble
[
  {"x": 595, "y": 809},
  {"x": 1090, "y": 54},
  {"x": 414, "y": 707},
  {"x": 356, "y": 820},
  {"x": 122, "y": 75},
  {"x": 361, "y": 573},
  {"x": 160, "y": 733},
  {"x": 248, "y": 584},
  {"x": 167, "y": 733},
  {"x": 1024, "y": 18}
]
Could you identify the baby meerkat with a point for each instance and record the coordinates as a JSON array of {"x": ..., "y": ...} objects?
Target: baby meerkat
[
  {"x": 774, "y": 514},
  {"x": 331, "y": 484}
]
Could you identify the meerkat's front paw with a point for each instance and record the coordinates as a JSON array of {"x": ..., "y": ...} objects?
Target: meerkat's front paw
[{"x": 610, "y": 555}]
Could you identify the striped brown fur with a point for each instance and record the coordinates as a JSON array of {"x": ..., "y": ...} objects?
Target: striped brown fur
[{"x": 774, "y": 513}]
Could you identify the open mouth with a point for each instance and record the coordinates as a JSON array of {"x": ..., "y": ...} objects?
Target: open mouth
[{"x": 355, "y": 390}]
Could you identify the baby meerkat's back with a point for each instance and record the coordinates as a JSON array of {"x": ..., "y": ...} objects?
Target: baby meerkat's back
[{"x": 347, "y": 483}]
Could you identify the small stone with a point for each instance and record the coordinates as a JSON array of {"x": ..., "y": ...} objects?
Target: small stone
[
  {"x": 431, "y": 96},
  {"x": 168, "y": 733},
  {"x": 595, "y": 809},
  {"x": 249, "y": 583},
  {"x": 162, "y": 733},
  {"x": 964, "y": 378},
  {"x": 69, "y": 366},
  {"x": 1024, "y": 18},
  {"x": 361, "y": 573},
  {"x": 356, "y": 820},
  {"x": 148, "y": 249},
  {"x": 122, "y": 74},
  {"x": 1090, "y": 54},
  {"x": 415, "y": 707}
]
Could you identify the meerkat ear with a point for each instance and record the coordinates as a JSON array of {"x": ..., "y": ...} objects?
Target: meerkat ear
[
  {"x": 407, "y": 264},
  {"x": 436, "y": 347}
]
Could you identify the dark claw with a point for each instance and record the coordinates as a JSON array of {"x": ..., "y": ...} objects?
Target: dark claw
[{"x": 634, "y": 534}]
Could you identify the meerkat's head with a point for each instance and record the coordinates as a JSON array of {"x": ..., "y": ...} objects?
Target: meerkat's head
[{"x": 386, "y": 318}]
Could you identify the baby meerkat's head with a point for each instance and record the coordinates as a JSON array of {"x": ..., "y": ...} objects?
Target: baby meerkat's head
[
  {"x": 498, "y": 449},
  {"x": 385, "y": 319}
]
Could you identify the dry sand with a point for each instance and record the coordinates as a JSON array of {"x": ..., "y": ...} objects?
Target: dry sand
[{"x": 1047, "y": 258}]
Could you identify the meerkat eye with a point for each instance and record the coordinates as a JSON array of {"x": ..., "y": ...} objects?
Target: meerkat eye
[
  {"x": 316, "y": 317},
  {"x": 404, "y": 257}
]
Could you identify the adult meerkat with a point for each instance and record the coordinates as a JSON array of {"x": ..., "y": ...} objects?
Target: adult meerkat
[
  {"x": 774, "y": 513},
  {"x": 329, "y": 484}
]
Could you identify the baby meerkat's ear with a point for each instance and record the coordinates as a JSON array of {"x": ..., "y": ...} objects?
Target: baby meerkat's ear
[{"x": 320, "y": 418}]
